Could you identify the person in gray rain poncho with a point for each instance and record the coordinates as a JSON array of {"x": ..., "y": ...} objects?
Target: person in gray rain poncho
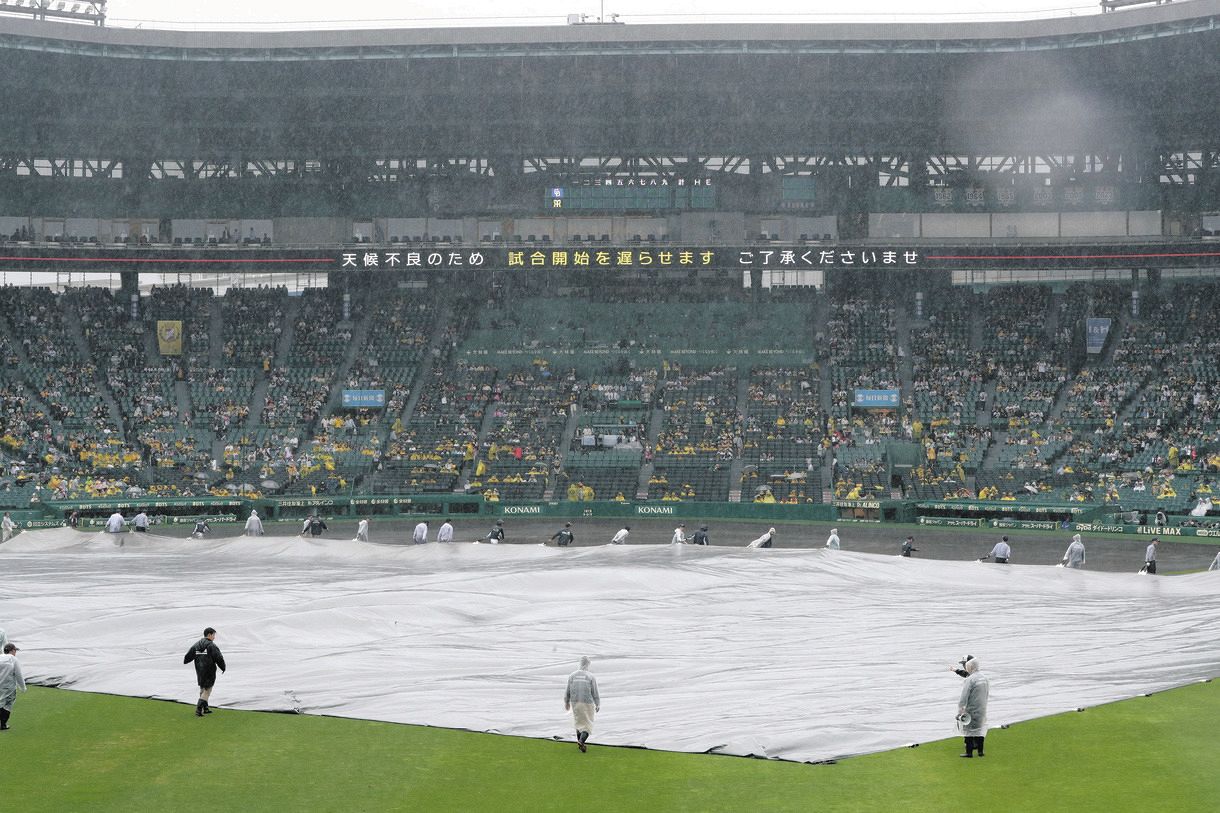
[
  {"x": 1074, "y": 555},
  {"x": 362, "y": 531},
  {"x": 832, "y": 541},
  {"x": 11, "y": 680},
  {"x": 763, "y": 541},
  {"x": 582, "y": 699},
  {"x": 972, "y": 708},
  {"x": 254, "y": 524}
]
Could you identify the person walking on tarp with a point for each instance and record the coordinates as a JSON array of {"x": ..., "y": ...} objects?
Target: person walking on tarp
[
  {"x": 254, "y": 524},
  {"x": 201, "y": 528},
  {"x": 420, "y": 535},
  {"x": 7, "y": 526},
  {"x": 1074, "y": 555},
  {"x": 207, "y": 659},
  {"x": 972, "y": 708},
  {"x": 564, "y": 536},
  {"x": 908, "y": 546},
  {"x": 362, "y": 531},
  {"x": 700, "y": 537},
  {"x": 140, "y": 523},
  {"x": 832, "y": 541},
  {"x": 1001, "y": 553},
  {"x": 582, "y": 699},
  {"x": 679, "y": 537},
  {"x": 11, "y": 680},
  {"x": 620, "y": 538},
  {"x": 496, "y": 535},
  {"x": 1150, "y": 558},
  {"x": 763, "y": 541},
  {"x": 444, "y": 534}
]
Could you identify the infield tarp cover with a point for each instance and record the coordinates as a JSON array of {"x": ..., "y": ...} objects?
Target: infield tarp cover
[{"x": 792, "y": 654}]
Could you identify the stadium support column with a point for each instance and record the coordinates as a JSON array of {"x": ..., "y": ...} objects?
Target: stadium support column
[{"x": 129, "y": 291}]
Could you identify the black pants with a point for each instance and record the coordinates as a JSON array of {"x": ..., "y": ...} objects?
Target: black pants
[
  {"x": 1150, "y": 567},
  {"x": 999, "y": 560},
  {"x": 974, "y": 744}
]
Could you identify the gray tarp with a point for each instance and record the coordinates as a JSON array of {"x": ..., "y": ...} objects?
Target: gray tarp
[{"x": 796, "y": 654}]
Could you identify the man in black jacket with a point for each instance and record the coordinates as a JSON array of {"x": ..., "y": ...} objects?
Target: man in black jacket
[
  {"x": 207, "y": 659},
  {"x": 700, "y": 537},
  {"x": 564, "y": 537}
]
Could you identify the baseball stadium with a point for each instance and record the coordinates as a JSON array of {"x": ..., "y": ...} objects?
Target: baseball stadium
[{"x": 805, "y": 397}]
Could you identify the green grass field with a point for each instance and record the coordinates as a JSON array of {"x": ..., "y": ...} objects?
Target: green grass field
[{"x": 72, "y": 751}]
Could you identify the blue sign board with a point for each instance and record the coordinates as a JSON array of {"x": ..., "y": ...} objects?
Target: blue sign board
[
  {"x": 876, "y": 399},
  {"x": 1097, "y": 330},
  {"x": 363, "y": 398}
]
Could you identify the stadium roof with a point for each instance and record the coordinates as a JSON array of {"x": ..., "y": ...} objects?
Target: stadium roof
[{"x": 1139, "y": 79}]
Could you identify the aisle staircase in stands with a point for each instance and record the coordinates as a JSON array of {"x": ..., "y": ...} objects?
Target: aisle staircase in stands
[{"x": 646, "y": 470}]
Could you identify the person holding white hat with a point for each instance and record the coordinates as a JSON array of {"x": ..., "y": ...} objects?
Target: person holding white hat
[{"x": 972, "y": 708}]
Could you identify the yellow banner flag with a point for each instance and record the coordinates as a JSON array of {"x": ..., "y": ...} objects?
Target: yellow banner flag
[{"x": 169, "y": 337}]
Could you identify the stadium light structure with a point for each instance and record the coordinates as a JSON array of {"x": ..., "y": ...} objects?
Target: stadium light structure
[
  {"x": 583, "y": 19},
  {"x": 69, "y": 10},
  {"x": 1114, "y": 5}
]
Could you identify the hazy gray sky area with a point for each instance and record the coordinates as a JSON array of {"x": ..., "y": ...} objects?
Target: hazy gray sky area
[{"x": 305, "y": 14}]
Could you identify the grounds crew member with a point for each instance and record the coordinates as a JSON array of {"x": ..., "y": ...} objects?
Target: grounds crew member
[
  {"x": 700, "y": 536},
  {"x": 763, "y": 541},
  {"x": 1001, "y": 553},
  {"x": 1074, "y": 555},
  {"x": 832, "y": 541},
  {"x": 1150, "y": 557},
  {"x": 582, "y": 699},
  {"x": 207, "y": 659},
  {"x": 972, "y": 708},
  {"x": 564, "y": 537},
  {"x": 11, "y": 680},
  {"x": 496, "y": 535}
]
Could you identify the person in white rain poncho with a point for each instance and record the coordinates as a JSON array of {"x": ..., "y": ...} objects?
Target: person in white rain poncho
[
  {"x": 679, "y": 537},
  {"x": 582, "y": 699},
  {"x": 1074, "y": 555},
  {"x": 254, "y": 524},
  {"x": 7, "y": 526},
  {"x": 763, "y": 541},
  {"x": 362, "y": 531},
  {"x": 972, "y": 708},
  {"x": 11, "y": 680},
  {"x": 832, "y": 541},
  {"x": 420, "y": 535},
  {"x": 620, "y": 538},
  {"x": 116, "y": 524},
  {"x": 445, "y": 534}
]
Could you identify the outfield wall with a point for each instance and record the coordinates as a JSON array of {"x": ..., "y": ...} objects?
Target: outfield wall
[{"x": 1007, "y": 515}]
